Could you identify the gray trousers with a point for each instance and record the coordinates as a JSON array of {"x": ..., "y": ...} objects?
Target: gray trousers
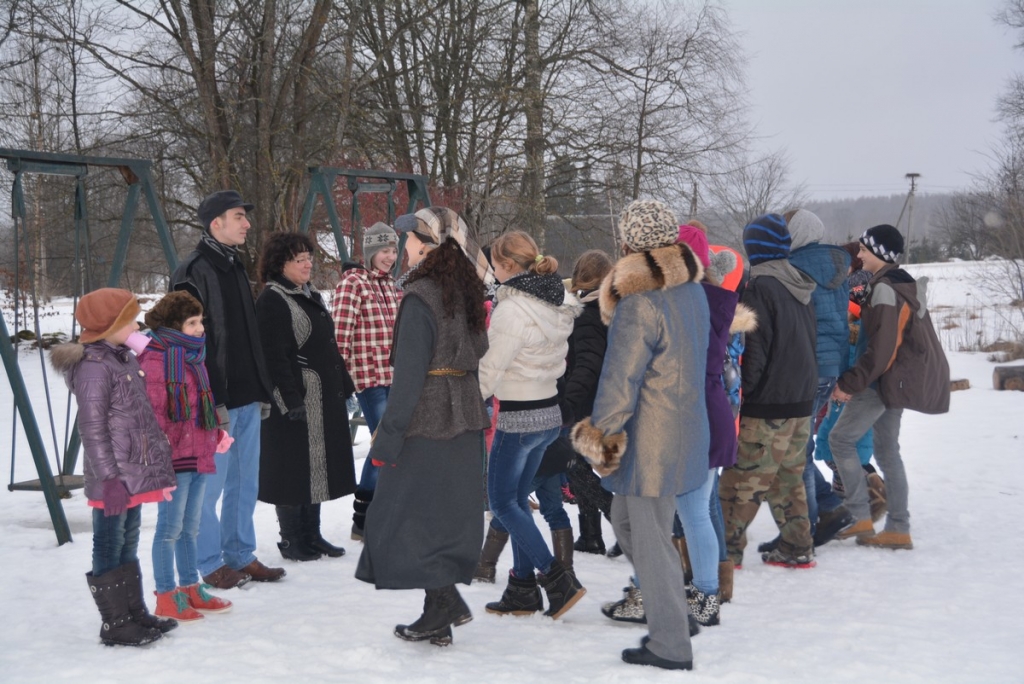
[
  {"x": 863, "y": 412},
  {"x": 643, "y": 528}
]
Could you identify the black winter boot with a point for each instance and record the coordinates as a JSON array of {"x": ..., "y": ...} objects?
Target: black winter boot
[
  {"x": 360, "y": 506},
  {"x": 494, "y": 544},
  {"x": 561, "y": 547},
  {"x": 314, "y": 540},
  {"x": 562, "y": 588},
  {"x": 451, "y": 601},
  {"x": 615, "y": 551},
  {"x": 435, "y": 624},
  {"x": 132, "y": 573},
  {"x": 590, "y": 540},
  {"x": 110, "y": 593},
  {"x": 521, "y": 597},
  {"x": 292, "y": 544}
]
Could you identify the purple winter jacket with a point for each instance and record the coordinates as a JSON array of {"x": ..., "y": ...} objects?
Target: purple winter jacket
[
  {"x": 192, "y": 447},
  {"x": 120, "y": 435}
]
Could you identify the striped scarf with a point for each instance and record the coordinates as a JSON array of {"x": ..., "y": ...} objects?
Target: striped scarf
[{"x": 180, "y": 349}]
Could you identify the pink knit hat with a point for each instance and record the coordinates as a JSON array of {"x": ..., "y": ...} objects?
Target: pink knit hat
[{"x": 697, "y": 241}]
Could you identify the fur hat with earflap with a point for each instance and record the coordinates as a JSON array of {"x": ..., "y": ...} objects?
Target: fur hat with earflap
[
  {"x": 104, "y": 311},
  {"x": 173, "y": 310}
]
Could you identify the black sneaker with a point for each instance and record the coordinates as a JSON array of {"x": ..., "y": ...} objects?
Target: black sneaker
[{"x": 783, "y": 560}]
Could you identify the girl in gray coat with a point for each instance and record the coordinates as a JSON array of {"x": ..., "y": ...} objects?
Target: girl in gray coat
[{"x": 127, "y": 458}]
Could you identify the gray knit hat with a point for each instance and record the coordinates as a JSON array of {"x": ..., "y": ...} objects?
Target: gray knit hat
[
  {"x": 647, "y": 224},
  {"x": 377, "y": 237}
]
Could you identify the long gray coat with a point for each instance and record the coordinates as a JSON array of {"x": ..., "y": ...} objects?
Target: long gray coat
[{"x": 648, "y": 434}]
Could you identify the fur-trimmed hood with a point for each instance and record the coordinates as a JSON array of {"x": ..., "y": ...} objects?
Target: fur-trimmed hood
[
  {"x": 744, "y": 321},
  {"x": 64, "y": 357},
  {"x": 658, "y": 269}
]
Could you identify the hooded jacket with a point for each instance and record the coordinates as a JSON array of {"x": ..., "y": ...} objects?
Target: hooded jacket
[
  {"x": 587, "y": 346},
  {"x": 780, "y": 375},
  {"x": 901, "y": 351},
  {"x": 827, "y": 265},
  {"x": 527, "y": 345},
  {"x": 119, "y": 431},
  {"x": 648, "y": 434}
]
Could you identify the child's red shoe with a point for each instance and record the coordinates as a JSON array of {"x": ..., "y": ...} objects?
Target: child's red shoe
[
  {"x": 174, "y": 604},
  {"x": 201, "y": 599}
]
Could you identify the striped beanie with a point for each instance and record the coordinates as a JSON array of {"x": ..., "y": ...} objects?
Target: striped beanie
[
  {"x": 766, "y": 238},
  {"x": 884, "y": 241}
]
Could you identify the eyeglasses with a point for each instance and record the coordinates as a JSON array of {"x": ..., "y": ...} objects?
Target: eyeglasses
[{"x": 302, "y": 259}]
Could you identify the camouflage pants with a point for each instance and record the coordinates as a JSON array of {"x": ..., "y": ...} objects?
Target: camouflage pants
[{"x": 770, "y": 465}]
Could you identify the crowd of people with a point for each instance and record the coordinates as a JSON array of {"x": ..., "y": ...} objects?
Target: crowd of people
[{"x": 672, "y": 391}]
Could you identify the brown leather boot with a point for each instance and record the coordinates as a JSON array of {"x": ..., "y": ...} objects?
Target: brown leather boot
[
  {"x": 562, "y": 547},
  {"x": 261, "y": 573},
  {"x": 226, "y": 577},
  {"x": 494, "y": 544},
  {"x": 684, "y": 557},
  {"x": 725, "y": 569}
]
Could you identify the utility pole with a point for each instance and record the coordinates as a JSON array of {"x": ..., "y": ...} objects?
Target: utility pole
[
  {"x": 909, "y": 206},
  {"x": 693, "y": 201}
]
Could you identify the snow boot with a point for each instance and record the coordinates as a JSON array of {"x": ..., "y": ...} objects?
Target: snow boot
[
  {"x": 314, "y": 540},
  {"x": 861, "y": 528},
  {"x": 630, "y": 608},
  {"x": 725, "y": 572},
  {"x": 784, "y": 560},
  {"x": 704, "y": 608},
  {"x": 684, "y": 557},
  {"x": 451, "y": 601},
  {"x": 876, "y": 496},
  {"x": 200, "y": 598},
  {"x": 362, "y": 501},
  {"x": 769, "y": 545},
  {"x": 174, "y": 604},
  {"x": 561, "y": 547},
  {"x": 562, "y": 588},
  {"x": 521, "y": 597},
  {"x": 132, "y": 573},
  {"x": 590, "y": 540},
  {"x": 292, "y": 544},
  {"x": 888, "y": 540},
  {"x": 109, "y": 593},
  {"x": 831, "y": 524},
  {"x": 434, "y": 625},
  {"x": 494, "y": 544},
  {"x": 615, "y": 551}
]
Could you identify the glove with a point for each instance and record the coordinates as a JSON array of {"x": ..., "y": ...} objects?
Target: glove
[
  {"x": 297, "y": 413},
  {"x": 115, "y": 497},
  {"x": 223, "y": 418},
  {"x": 265, "y": 411}
]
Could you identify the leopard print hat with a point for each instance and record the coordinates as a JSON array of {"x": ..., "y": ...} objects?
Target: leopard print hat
[{"x": 647, "y": 224}]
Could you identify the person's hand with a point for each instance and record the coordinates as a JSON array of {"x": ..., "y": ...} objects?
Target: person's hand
[
  {"x": 265, "y": 411},
  {"x": 223, "y": 418},
  {"x": 839, "y": 396},
  {"x": 297, "y": 413},
  {"x": 115, "y": 497}
]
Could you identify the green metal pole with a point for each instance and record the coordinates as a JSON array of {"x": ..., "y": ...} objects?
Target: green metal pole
[
  {"x": 35, "y": 438},
  {"x": 121, "y": 250},
  {"x": 162, "y": 229}
]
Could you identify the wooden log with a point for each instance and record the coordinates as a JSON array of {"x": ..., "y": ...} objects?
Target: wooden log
[
  {"x": 959, "y": 384},
  {"x": 1008, "y": 377}
]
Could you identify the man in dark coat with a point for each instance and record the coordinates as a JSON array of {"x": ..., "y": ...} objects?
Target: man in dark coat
[
  {"x": 213, "y": 274},
  {"x": 900, "y": 365}
]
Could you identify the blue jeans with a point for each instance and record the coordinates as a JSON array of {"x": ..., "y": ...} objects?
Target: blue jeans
[
  {"x": 701, "y": 541},
  {"x": 820, "y": 497},
  {"x": 515, "y": 458},
  {"x": 717, "y": 521},
  {"x": 372, "y": 402},
  {"x": 177, "y": 524},
  {"x": 549, "y": 496},
  {"x": 231, "y": 539},
  {"x": 115, "y": 539}
]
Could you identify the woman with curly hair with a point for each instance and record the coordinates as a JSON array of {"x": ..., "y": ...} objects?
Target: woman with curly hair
[
  {"x": 424, "y": 526},
  {"x": 306, "y": 451}
]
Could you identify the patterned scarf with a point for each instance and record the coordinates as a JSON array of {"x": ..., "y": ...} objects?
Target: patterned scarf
[
  {"x": 179, "y": 349},
  {"x": 228, "y": 252}
]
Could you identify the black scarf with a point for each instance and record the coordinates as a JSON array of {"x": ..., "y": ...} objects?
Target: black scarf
[
  {"x": 226, "y": 251},
  {"x": 547, "y": 288}
]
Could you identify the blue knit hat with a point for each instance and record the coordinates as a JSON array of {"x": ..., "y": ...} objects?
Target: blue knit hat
[{"x": 766, "y": 238}]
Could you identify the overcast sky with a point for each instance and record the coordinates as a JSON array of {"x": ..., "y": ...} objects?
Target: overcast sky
[{"x": 860, "y": 92}]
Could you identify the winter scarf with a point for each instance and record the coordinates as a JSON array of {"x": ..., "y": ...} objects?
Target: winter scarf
[
  {"x": 799, "y": 285},
  {"x": 547, "y": 288},
  {"x": 179, "y": 349},
  {"x": 229, "y": 253}
]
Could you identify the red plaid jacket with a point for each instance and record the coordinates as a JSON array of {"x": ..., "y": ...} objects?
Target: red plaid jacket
[{"x": 364, "y": 311}]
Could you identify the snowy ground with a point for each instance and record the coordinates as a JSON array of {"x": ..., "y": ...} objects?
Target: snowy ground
[{"x": 948, "y": 611}]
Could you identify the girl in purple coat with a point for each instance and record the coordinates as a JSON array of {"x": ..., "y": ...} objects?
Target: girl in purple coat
[
  {"x": 178, "y": 388},
  {"x": 127, "y": 458}
]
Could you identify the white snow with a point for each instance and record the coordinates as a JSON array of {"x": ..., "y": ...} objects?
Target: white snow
[{"x": 948, "y": 611}]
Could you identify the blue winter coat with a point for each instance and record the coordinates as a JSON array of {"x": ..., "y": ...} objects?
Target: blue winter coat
[{"x": 827, "y": 266}]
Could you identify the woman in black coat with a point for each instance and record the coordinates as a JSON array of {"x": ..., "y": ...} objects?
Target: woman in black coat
[{"x": 305, "y": 446}]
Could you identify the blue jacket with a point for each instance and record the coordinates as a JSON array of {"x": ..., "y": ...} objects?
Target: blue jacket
[{"x": 827, "y": 266}]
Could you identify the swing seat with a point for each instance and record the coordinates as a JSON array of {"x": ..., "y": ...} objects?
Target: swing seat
[{"x": 63, "y": 488}]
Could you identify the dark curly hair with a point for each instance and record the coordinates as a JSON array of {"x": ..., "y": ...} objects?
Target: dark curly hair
[
  {"x": 449, "y": 267},
  {"x": 279, "y": 249}
]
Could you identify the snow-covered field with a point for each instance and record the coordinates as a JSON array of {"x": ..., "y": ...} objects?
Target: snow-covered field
[{"x": 948, "y": 611}]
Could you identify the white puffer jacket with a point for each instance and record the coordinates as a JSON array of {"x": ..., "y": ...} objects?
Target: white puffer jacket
[{"x": 529, "y": 340}]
